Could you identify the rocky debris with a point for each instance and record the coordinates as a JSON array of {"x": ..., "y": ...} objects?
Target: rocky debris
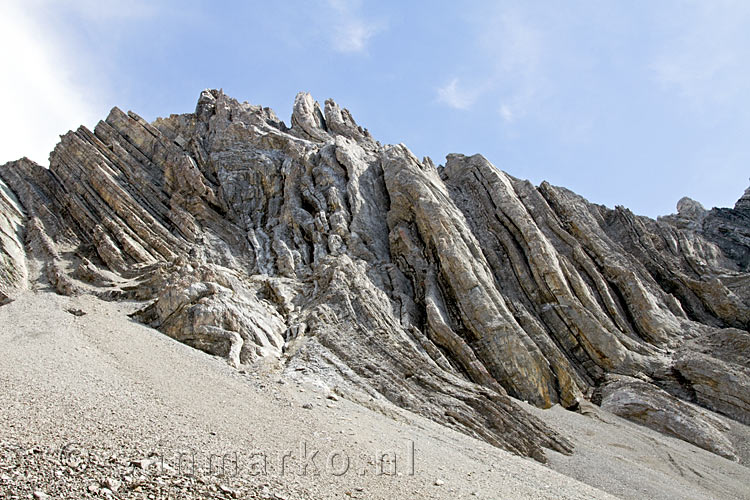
[
  {"x": 76, "y": 312},
  {"x": 652, "y": 407},
  {"x": 441, "y": 289},
  {"x": 112, "y": 484},
  {"x": 42, "y": 473}
]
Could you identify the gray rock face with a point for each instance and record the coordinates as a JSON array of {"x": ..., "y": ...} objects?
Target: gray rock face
[
  {"x": 715, "y": 367},
  {"x": 12, "y": 254},
  {"x": 444, "y": 290},
  {"x": 690, "y": 208},
  {"x": 727, "y": 227},
  {"x": 690, "y": 214},
  {"x": 743, "y": 204},
  {"x": 648, "y": 405}
]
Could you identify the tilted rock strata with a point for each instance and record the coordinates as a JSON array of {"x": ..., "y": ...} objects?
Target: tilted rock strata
[
  {"x": 441, "y": 289},
  {"x": 728, "y": 228},
  {"x": 715, "y": 370},
  {"x": 12, "y": 254},
  {"x": 648, "y": 405}
]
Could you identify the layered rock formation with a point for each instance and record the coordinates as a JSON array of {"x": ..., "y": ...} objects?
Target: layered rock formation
[
  {"x": 653, "y": 407},
  {"x": 12, "y": 255},
  {"x": 444, "y": 290}
]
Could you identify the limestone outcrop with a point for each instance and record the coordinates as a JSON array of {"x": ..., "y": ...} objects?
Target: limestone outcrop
[
  {"x": 648, "y": 405},
  {"x": 726, "y": 227},
  {"x": 12, "y": 255},
  {"x": 446, "y": 290}
]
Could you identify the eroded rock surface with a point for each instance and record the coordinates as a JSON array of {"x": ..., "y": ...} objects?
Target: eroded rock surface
[
  {"x": 715, "y": 368},
  {"x": 12, "y": 254},
  {"x": 648, "y": 405},
  {"x": 442, "y": 289}
]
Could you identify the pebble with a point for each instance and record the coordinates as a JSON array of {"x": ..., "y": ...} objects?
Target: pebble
[
  {"x": 228, "y": 491},
  {"x": 439, "y": 482},
  {"x": 141, "y": 464},
  {"x": 307, "y": 406},
  {"x": 112, "y": 484}
]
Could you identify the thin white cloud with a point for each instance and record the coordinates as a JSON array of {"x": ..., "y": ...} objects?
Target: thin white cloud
[
  {"x": 96, "y": 10},
  {"x": 48, "y": 85},
  {"x": 704, "y": 58},
  {"x": 457, "y": 97},
  {"x": 506, "y": 113},
  {"x": 514, "y": 42},
  {"x": 353, "y": 36},
  {"x": 104, "y": 10},
  {"x": 518, "y": 48},
  {"x": 509, "y": 68},
  {"x": 351, "y": 31},
  {"x": 39, "y": 99}
]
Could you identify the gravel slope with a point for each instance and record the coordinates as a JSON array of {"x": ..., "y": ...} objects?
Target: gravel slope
[
  {"x": 634, "y": 462},
  {"x": 115, "y": 392},
  {"x": 113, "y": 387}
]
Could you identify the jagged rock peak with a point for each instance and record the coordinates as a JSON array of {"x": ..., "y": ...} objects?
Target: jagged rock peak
[
  {"x": 341, "y": 122},
  {"x": 309, "y": 122},
  {"x": 688, "y": 207},
  {"x": 307, "y": 118},
  {"x": 744, "y": 202},
  {"x": 207, "y": 103}
]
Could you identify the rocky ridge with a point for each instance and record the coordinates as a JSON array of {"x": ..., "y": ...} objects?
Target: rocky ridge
[{"x": 446, "y": 290}]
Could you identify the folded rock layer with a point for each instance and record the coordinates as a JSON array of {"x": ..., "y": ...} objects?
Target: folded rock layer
[{"x": 443, "y": 290}]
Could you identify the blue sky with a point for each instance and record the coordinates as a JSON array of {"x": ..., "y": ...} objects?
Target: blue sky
[{"x": 630, "y": 102}]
